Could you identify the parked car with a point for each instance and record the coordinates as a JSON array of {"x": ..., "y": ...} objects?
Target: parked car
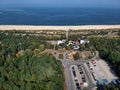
[{"x": 93, "y": 61}]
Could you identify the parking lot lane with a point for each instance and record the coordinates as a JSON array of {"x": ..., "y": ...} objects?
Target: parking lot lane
[{"x": 92, "y": 84}]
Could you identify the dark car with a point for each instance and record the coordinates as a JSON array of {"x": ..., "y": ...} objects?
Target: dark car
[
  {"x": 78, "y": 88},
  {"x": 77, "y": 84}
]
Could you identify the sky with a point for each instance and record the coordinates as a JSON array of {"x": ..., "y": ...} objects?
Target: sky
[{"x": 60, "y": 3}]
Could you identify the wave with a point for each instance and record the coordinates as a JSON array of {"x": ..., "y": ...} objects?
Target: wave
[{"x": 13, "y": 10}]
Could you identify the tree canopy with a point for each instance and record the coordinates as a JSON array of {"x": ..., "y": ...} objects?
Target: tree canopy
[{"x": 28, "y": 70}]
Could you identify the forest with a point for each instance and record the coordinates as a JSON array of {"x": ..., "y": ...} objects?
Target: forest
[{"x": 22, "y": 67}]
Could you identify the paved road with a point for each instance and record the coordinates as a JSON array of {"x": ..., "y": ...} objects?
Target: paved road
[{"x": 69, "y": 79}]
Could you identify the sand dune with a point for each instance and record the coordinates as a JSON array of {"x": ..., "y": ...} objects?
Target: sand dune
[{"x": 84, "y": 27}]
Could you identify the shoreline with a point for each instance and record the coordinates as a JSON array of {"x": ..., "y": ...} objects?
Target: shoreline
[{"x": 79, "y": 27}]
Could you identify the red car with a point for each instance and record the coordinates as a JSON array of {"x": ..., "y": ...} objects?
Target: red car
[{"x": 93, "y": 61}]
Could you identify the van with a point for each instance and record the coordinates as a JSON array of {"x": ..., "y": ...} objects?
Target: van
[{"x": 91, "y": 68}]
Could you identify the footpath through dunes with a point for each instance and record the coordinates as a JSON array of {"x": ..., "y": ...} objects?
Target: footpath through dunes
[{"x": 80, "y": 27}]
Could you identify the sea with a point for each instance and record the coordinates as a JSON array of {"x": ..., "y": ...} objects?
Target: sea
[{"x": 59, "y": 16}]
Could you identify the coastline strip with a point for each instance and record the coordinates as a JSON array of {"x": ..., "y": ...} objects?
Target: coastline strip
[{"x": 83, "y": 27}]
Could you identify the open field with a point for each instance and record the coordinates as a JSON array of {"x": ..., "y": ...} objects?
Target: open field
[{"x": 84, "y": 27}]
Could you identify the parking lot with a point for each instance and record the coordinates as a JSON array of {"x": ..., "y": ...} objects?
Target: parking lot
[
  {"x": 79, "y": 77},
  {"x": 88, "y": 74},
  {"x": 101, "y": 72}
]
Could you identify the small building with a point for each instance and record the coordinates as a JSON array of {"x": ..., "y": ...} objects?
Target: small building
[
  {"x": 84, "y": 41},
  {"x": 76, "y": 47},
  {"x": 70, "y": 43},
  {"x": 60, "y": 42}
]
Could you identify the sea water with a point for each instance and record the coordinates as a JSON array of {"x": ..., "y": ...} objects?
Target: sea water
[{"x": 59, "y": 16}]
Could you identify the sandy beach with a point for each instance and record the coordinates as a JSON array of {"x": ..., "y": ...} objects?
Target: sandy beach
[{"x": 84, "y": 27}]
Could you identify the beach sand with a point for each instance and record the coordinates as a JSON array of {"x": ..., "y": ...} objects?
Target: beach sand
[{"x": 83, "y": 27}]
